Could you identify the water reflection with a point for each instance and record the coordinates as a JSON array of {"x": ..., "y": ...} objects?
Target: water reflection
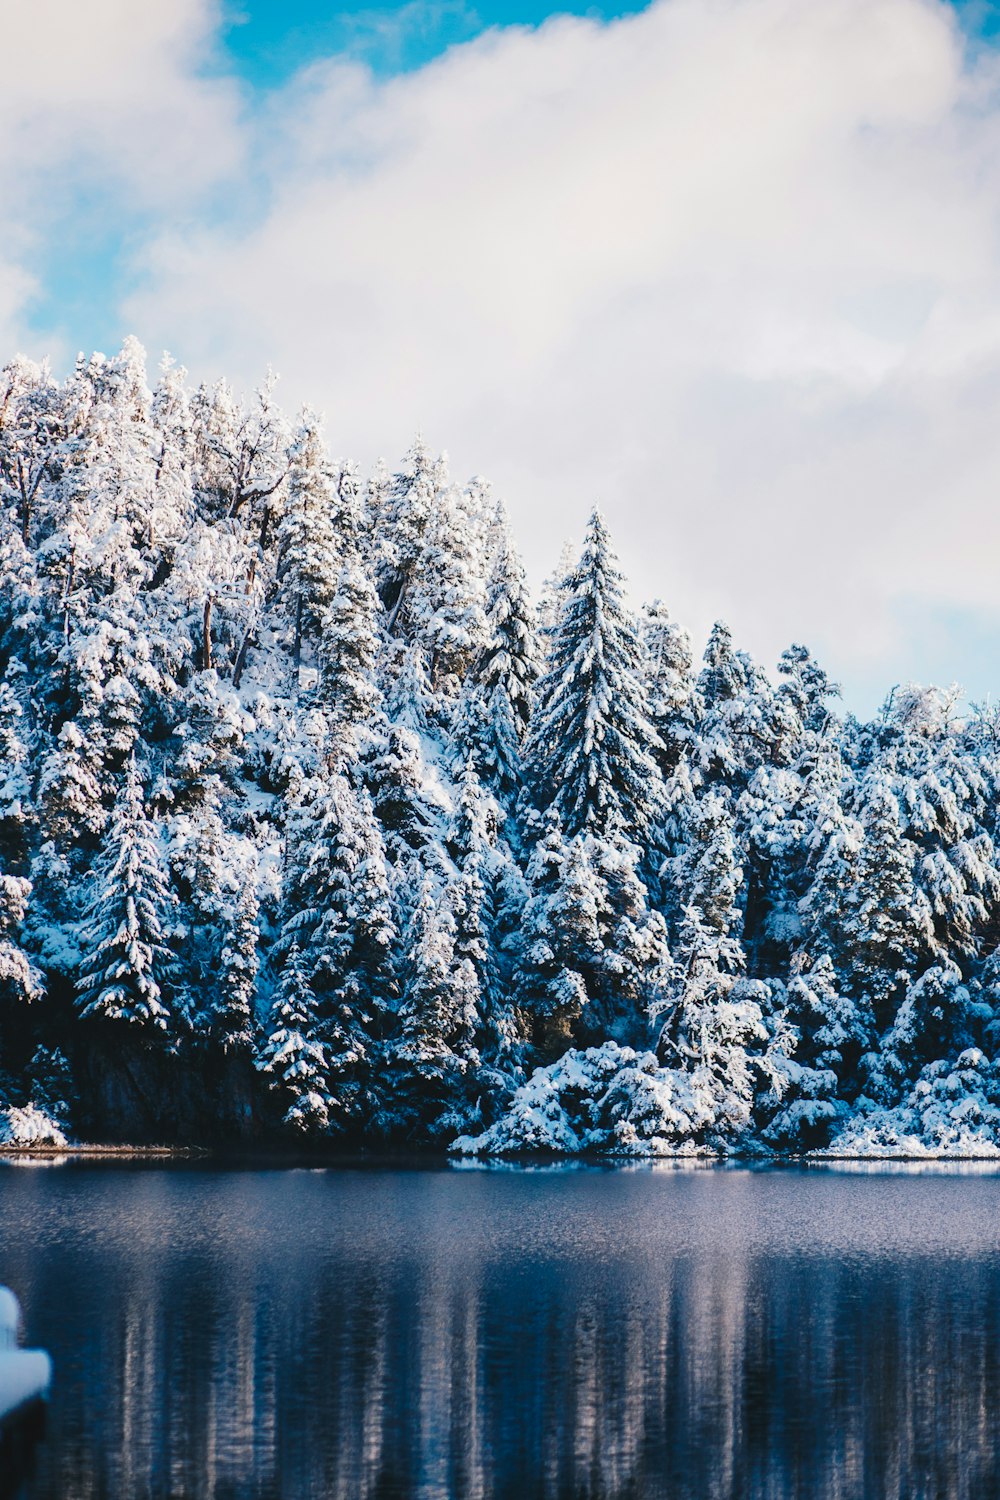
[{"x": 705, "y": 1335}]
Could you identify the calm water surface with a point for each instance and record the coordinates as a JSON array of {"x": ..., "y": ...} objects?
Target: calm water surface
[{"x": 696, "y": 1334}]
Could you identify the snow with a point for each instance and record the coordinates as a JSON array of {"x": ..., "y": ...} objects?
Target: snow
[
  {"x": 607, "y": 1099},
  {"x": 29, "y": 1126},
  {"x": 10, "y": 1319},
  {"x": 25, "y": 1374}
]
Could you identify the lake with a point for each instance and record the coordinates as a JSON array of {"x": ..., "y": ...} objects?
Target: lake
[{"x": 443, "y": 1332}]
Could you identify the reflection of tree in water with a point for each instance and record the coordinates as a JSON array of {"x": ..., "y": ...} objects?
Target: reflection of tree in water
[{"x": 251, "y": 1354}]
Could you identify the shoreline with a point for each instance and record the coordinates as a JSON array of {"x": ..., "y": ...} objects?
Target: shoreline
[
  {"x": 416, "y": 1156},
  {"x": 48, "y": 1152}
]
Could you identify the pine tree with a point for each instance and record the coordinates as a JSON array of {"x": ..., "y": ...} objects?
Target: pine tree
[
  {"x": 339, "y": 919},
  {"x": 484, "y": 900},
  {"x": 935, "y": 1022},
  {"x": 807, "y": 687},
  {"x": 739, "y": 727},
  {"x": 127, "y": 961},
  {"x": 434, "y": 1049},
  {"x": 714, "y": 1029},
  {"x": 50, "y": 1086},
  {"x": 356, "y": 780},
  {"x": 310, "y": 559},
  {"x": 233, "y": 1014},
  {"x": 347, "y": 650},
  {"x": 30, "y": 431},
  {"x": 834, "y": 1033},
  {"x": 595, "y": 955},
  {"x": 589, "y": 751},
  {"x": 410, "y": 699},
  {"x": 347, "y": 657},
  {"x": 499, "y": 696},
  {"x": 669, "y": 682},
  {"x": 552, "y": 992},
  {"x": 446, "y": 595},
  {"x": 405, "y": 512},
  {"x": 293, "y": 1056},
  {"x": 553, "y": 588},
  {"x": 886, "y": 922},
  {"x": 20, "y": 977}
]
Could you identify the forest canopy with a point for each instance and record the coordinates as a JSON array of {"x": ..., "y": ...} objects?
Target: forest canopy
[{"x": 314, "y": 827}]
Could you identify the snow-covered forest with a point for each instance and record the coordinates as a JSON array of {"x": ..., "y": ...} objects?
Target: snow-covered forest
[{"x": 314, "y": 826}]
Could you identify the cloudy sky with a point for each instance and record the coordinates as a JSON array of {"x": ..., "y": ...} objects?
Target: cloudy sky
[{"x": 729, "y": 267}]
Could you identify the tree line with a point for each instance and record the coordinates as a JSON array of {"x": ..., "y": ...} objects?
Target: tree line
[{"x": 315, "y": 827}]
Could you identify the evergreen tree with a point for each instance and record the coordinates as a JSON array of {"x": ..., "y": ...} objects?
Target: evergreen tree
[
  {"x": 356, "y": 779},
  {"x": 233, "y": 1015},
  {"x": 499, "y": 697},
  {"x": 486, "y": 901},
  {"x": 292, "y": 1056},
  {"x": 405, "y": 510},
  {"x": 308, "y": 543},
  {"x": 20, "y": 977},
  {"x": 669, "y": 681},
  {"x": 590, "y": 746},
  {"x": 595, "y": 955},
  {"x": 885, "y": 925},
  {"x": 434, "y": 1051},
  {"x": 127, "y": 961},
  {"x": 339, "y": 919}
]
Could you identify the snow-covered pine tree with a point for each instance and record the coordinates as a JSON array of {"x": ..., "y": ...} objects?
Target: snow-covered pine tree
[
  {"x": 293, "y": 1056},
  {"x": 559, "y": 930},
  {"x": 669, "y": 682},
  {"x": 405, "y": 511},
  {"x": 486, "y": 902},
  {"x": 445, "y": 599},
  {"x": 239, "y": 455},
  {"x": 309, "y": 549},
  {"x": 885, "y": 925},
  {"x": 347, "y": 648},
  {"x": 30, "y": 431},
  {"x": 143, "y": 621},
  {"x": 20, "y": 977},
  {"x": 834, "y": 1033},
  {"x": 433, "y": 1058},
  {"x": 714, "y": 1021},
  {"x": 233, "y": 1015},
  {"x": 551, "y": 593},
  {"x": 338, "y": 916},
  {"x": 499, "y": 694},
  {"x": 590, "y": 749},
  {"x": 126, "y": 969}
]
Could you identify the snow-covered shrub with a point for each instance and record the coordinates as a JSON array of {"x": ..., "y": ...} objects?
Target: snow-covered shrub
[
  {"x": 29, "y": 1126},
  {"x": 604, "y": 1099},
  {"x": 952, "y": 1110}
]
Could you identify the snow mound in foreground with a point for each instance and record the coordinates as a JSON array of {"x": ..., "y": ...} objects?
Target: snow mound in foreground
[{"x": 25, "y": 1374}]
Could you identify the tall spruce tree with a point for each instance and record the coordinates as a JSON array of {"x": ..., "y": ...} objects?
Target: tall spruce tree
[
  {"x": 127, "y": 962},
  {"x": 292, "y": 1054},
  {"x": 590, "y": 750},
  {"x": 500, "y": 692}
]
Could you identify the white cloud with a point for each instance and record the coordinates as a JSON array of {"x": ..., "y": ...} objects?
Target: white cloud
[
  {"x": 106, "y": 117},
  {"x": 729, "y": 266},
  {"x": 118, "y": 89}
]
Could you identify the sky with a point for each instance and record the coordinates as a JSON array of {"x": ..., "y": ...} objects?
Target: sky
[{"x": 728, "y": 268}]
